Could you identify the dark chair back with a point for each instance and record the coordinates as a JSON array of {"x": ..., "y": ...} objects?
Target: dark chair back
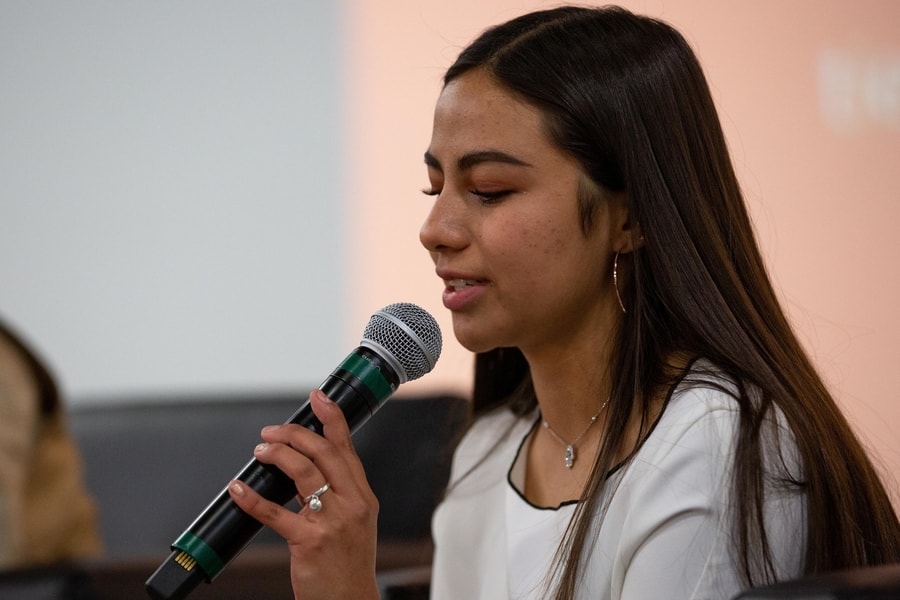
[
  {"x": 154, "y": 466},
  {"x": 872, "y": 583}
]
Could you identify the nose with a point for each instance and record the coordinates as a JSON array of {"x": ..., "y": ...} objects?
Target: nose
[{"x": 444, "y": 229}]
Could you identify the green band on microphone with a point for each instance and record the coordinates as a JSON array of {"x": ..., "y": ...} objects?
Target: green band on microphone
[
  {"x": 208, "y": 559},
  {"x": 369, "y": 374}
]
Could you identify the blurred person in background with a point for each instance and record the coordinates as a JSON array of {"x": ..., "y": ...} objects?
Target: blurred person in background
[{"x": 47, "y": 516}]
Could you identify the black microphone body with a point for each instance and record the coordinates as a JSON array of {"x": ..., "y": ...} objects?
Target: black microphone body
[{"x": 360, "y": 385}]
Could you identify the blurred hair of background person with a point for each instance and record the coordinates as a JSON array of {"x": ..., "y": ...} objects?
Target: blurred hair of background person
[{"x": 47, "y": 516}]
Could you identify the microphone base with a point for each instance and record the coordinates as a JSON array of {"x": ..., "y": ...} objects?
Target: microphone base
[{"x": 175, "y": 578}]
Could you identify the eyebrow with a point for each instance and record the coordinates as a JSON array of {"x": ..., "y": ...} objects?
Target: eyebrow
[{"x": 470, "y": 159}]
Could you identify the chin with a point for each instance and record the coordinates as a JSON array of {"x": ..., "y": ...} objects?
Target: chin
[
  {"x": 478, "y": 348},
  {"x": 475, "y": 339}
]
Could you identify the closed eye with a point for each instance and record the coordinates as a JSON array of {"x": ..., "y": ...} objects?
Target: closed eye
[
  {"x": 490, "y": 197},
  {"x": 484, "y": 197}
]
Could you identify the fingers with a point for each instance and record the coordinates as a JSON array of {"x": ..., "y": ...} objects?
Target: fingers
[
  {"x": 334, "y": 424},
  {"x": 265, "y": 511},
  {"x": 332, "y": 454},
  {"x": 300, "y": 469},
  {"x": 311, "y": 460}
]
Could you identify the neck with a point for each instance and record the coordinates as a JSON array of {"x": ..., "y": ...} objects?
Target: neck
[{"x": 570, "y": 387}]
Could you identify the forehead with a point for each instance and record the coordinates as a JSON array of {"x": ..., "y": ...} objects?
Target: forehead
[{"x": 473, "y": 110}]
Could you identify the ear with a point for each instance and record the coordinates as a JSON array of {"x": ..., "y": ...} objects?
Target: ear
[{"x": 625, "y": 234}]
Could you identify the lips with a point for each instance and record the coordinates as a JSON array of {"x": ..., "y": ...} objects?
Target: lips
[
  {"x": 458, "y": 285},
  {"x": 461, "y": 293}
]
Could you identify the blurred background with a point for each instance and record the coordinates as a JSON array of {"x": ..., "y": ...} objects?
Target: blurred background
[{"x": 203, "y": 196}]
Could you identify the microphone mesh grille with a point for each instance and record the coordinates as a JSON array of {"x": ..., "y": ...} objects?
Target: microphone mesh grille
[{"x": 417, "y": 346}]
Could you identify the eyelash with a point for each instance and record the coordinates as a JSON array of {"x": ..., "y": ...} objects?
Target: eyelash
[
  {"x": 484, "y": 197},
  {"x": 490, "y": 197}
]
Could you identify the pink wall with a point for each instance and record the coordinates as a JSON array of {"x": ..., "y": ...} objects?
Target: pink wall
[{"x": 809, "y": 95}]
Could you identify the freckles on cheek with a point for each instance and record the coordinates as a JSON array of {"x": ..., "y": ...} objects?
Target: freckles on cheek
[{"x": 551, "y": 241}]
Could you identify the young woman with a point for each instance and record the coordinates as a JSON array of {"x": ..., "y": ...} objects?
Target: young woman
[{"x": 646, "y": 423}]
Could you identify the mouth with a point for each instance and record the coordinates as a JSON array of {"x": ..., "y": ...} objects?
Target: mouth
[{"x": 460, "y": 284}]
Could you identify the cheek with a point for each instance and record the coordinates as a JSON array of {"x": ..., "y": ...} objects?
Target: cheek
[
  {"x": 538, "y": 251},
  {"x": 548, "y": 241},
  {"x": 523, "y": 241}
]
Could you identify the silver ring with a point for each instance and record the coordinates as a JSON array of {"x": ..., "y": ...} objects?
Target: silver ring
[{"x": 315, "y": 504}]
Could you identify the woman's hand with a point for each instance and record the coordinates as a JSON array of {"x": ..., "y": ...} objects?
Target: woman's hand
[{"x": 332, "y": 550}]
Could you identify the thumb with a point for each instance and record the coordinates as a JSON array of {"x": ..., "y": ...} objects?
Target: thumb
[{"x": 334, "y": 424}]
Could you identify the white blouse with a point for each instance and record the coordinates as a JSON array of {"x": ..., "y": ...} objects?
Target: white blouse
[{"x": 666, "y": 532}]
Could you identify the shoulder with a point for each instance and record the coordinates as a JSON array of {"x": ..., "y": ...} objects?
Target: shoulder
[
  {"x": 701, "y": 418},
  {"x": 703, "y": 396},
  {"x": 703, "y": 414}
]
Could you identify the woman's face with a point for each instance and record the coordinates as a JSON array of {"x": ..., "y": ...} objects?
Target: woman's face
[{"x": 504, "y": 231}]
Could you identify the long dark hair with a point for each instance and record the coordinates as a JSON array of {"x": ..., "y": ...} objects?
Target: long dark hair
[{"x": 626, "y": 96}]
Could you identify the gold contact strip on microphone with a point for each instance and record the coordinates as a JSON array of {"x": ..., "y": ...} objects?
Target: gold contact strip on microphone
[{"x": 186, "y": 561}]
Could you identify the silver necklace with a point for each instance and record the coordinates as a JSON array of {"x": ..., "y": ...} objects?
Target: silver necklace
[{"x": 570, "y": 448}]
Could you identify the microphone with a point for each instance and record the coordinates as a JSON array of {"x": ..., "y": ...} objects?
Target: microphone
[{"x": 401, "y": 343}]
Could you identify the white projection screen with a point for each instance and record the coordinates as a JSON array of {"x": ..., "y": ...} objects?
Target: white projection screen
[{"x": 172, "y": 188}]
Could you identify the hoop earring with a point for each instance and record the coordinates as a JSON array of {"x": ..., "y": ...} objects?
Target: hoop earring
[{"x": 616, "y": 282}]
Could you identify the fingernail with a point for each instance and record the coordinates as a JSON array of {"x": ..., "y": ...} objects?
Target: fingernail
[
  {"x": 322, "y": 397},
  {"x": 269, "y": 428},
  {"x": 237, "y": 488},
  {"x": 260, "y": 447}
]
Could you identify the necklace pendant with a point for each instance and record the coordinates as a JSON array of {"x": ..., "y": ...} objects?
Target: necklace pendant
[{"x": 570, "y": 456}]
